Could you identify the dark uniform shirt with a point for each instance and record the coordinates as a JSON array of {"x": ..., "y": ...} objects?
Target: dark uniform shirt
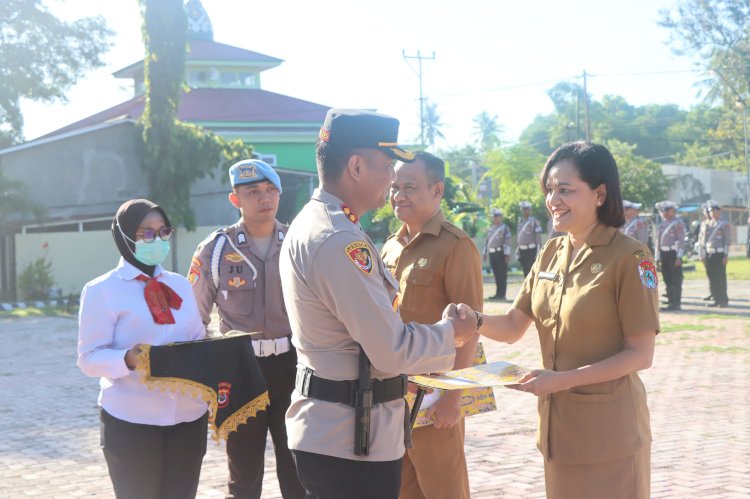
[{"x": 228, "y": 269}]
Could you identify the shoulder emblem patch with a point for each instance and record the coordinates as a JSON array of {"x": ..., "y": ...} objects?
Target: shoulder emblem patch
[
  {"x": 194, "y": 275},
  {"x": 359, "y": 253},
  {"x": 647, "y": 273},
  {"x": 196, "y": 262},
  {"x": 233, "y": 257}
]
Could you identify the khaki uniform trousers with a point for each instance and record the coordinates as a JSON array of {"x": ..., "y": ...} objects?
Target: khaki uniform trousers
[
  {"x": 435, "y": 468},
  {"x": 625, "y": 478}
]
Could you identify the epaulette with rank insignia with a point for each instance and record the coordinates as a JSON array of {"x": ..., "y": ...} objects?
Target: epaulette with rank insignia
[{"x": 349, "y": 214}]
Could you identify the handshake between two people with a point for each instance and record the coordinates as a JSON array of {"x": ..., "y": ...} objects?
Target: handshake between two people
[{"x": 466, "y": 323}]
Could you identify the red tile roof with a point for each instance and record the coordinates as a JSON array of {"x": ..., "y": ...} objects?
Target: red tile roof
[{"x": 206, "y": 105}]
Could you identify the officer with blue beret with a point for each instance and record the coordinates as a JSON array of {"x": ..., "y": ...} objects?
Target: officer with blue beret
[{"x": 237, "y": 268}]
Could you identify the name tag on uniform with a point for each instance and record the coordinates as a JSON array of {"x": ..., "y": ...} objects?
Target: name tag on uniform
[{"x": 550, "y": 276}]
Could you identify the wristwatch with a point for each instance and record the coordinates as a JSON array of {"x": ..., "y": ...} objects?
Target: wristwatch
[{"x": 480, "y": 319}]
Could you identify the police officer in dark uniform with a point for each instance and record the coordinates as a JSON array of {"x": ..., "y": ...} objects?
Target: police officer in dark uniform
[
  {"x": 714, "y": 249},
  {"x": 669, "y": 251},
  {"x": 237, "y": 268},
  {"x": 529, "y": 237}
]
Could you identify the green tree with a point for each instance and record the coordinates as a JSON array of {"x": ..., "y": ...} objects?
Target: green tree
[
  {"x": 487, "y": 131},
  {"x": 641, "y": 180},
  {"x": 41, "y": 57},
  {"x": 432, "y": 124},
  {"x": 16, "y": 201},
  {"x": 718, "y": 33},
  {"x": 174, "y": 154},
  {"x": 515, "y": 177}
]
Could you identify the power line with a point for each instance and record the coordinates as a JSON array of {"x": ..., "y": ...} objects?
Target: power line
[{"x": 420, "y": 58}]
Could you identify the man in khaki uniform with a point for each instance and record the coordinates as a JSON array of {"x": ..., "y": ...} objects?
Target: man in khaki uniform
[
  {"x": 635, "y": 226},
  {"x": 714, "y": 250},
  {"x": 352, "y": 345},
  {"x": 497, "y": 249},
  {"x": 669, "y": 251},
  {"x": 237, "y": 268},
  {"x": 529, "y": 237},
  {"x": 436, "y": 264}
]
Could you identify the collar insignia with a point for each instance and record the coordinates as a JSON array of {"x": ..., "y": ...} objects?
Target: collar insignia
[{"x": 348, "y": 212}]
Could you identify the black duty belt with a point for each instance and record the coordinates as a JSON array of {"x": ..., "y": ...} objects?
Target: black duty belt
[{"x": 345, "y": 392}]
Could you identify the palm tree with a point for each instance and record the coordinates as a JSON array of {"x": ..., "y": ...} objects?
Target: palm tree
[
  {"x": 487, "y": 130},
  {"x": 432, "y": 124}
]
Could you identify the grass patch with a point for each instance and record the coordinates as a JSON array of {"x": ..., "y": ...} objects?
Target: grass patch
[
  {"x": 738, "y": 268},
  {"x": 671, "y": 328},
  {"x": 704, "y": 317},
  {"x": 715, "y": 349},
  {"x": 20, "y": 313}
]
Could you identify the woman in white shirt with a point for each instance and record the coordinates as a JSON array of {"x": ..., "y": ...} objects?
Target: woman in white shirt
[{"x": 153, "y": 441}]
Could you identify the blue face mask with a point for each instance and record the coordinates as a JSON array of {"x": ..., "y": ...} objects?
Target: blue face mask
[{"x": 152, "y": 253}]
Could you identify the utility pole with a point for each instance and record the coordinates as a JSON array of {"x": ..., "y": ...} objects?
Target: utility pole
[
  {"x": 586, "y": 103},
  {"x": 420, "y": 58}
]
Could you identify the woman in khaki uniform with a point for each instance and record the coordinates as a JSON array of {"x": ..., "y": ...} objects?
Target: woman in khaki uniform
[{"x": 593, "y": 298}]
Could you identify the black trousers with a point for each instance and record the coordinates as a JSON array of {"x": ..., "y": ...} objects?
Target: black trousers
[
  {"x": 672, "y": 277},
  {"x": 527, "y": 258},
  {"x": 500, "y": 271},
  {"x": 153, "y": 462},
  {"x": 246, "y": 447},
  {"x": 717, "y": 277},
  {"x": 327, "y": 477}
]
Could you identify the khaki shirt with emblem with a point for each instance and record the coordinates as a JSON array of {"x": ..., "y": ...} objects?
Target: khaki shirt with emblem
[
  {"x": 529, "y": 232},
  {"x": 248, "y": 295},
  {"x": 583, "y": 312},
  {"x": 441, "y": 265},
  {"x": 340, "y": 295}
]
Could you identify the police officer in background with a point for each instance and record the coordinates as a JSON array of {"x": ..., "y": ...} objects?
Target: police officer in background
[
  {"x": 237, "y": 268},
  {"x": 497, "y": 249},
  {"x": 347, "y": 418},
  {"x": 714, "y": 249},
  {"x": 635, "y": 226},
  {"x": 669, "y": 251},
  {"x": 529, "y": 237}
]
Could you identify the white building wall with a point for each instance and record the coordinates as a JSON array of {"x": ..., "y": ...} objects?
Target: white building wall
[{"x": 78, "y": 257}]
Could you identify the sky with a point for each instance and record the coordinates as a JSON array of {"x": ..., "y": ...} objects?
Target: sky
[{"x": 498, "y": 56}]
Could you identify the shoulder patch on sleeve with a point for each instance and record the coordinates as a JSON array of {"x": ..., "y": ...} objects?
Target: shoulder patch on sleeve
[
  {"x": 360, "y": 255},
  {"x": 647, "y": 273}
]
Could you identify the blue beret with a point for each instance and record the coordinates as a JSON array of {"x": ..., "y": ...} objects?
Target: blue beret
[{"x": 251, "y": 171}]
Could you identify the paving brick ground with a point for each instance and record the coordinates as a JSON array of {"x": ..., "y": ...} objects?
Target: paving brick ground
[{"x": 699, "y": 394}]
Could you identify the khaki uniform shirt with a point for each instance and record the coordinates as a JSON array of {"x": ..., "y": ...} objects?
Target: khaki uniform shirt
[
  {"x": 715, "y": 238},
  {"x": 671, "y": 237},
  {"x": 441, "y": 265},
  {"x": 248, "y": 294},
  {"x": 529, "y": 232},
  {"x": 340, "y": 295},
  {"x": 583, "y": 312},
  {"x": 498, "y": 239},
  {"x": 637, "y": 228}
]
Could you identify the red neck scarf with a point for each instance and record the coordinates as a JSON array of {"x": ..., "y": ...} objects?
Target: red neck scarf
[{"x": 160, "y": 298}]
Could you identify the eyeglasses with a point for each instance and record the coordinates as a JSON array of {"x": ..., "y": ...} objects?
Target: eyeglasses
[{"x": 149, "y": 235}]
